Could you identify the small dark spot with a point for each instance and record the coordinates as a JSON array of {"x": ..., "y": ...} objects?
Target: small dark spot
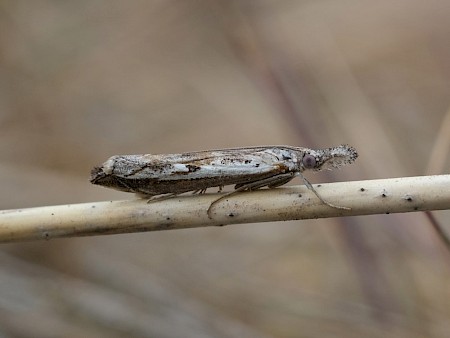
[
  {"x": 319, "y": 185},
  {"x": 362, "y": 189},
  {"x": 53, "y": 214},
  {"x": 230, "y": 214},
  {"x": 47, "y": 236},
  {"x": 192, "y": 168},
  {"x": 383, "y": 195},
  {"x": 408, "y": 198},
  {"x": 299, "y": 195},
  {"x": 257, "y": 165},
  {"x": 247, "y": 161},
  {"x": 167, "y": 218},
  {"x": 93, "y": 206},
  {"x": 286, "y": 158},
  {"x": 387, "y": 212}
]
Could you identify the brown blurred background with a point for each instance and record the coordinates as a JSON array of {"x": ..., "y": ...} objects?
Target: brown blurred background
[{"x": 83, "y": 80}]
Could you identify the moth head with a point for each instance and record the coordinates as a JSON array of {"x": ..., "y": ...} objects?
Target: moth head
[{"x": 329, "y": 158}]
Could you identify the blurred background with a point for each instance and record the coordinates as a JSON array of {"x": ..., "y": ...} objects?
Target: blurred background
[{"x": 83, "y": 80}]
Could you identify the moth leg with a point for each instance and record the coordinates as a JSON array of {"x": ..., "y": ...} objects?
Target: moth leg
[
  {"x": 280, "y": 182},
  {"x": 158, "y": 198},
  {"x": 270, "y": 181},
  {"x": 310, "y": 187},
  {"x": 199, "y": 191}
]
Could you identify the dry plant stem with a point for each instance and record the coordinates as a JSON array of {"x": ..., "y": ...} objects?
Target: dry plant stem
[
  {"x": 436, "y": 164},
  {"x": 281, "y": 204}
]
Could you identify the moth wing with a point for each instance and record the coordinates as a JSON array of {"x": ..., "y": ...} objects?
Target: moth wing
[{"x": 213, "y": 164}]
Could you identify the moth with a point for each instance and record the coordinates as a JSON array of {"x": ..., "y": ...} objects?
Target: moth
[{"x": 248, "y": 168}]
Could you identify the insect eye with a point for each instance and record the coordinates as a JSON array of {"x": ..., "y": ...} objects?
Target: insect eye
[{"x": 309, "y": 161}]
